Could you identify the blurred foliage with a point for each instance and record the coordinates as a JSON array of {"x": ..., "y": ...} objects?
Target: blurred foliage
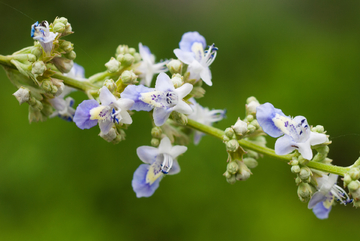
[{"x": 58, "y": 182}]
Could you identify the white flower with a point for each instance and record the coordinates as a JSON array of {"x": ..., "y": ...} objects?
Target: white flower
[{"x": 41, "y": 33}]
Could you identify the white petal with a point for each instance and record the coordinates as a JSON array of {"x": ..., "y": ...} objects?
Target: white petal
[
  {"x": 283, "y": 145},
  {"x": 106, "y": 98},
  {"x": 185, "y": 57},
  {"x": 177, "y": 150},
  {"x": 125, "y": 117},
  {"x": 124, "y": 103},
  {"x": 206, "y": 76},
  {"x": 305, "y": 150},
  {"x": 317, "y": 138},
  {"x": 165, "y": 146},
  {"x": 184, "y": 90},
  {"x": 182, "y": 107}
]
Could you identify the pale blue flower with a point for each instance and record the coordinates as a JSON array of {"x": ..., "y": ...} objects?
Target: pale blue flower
[
  {"x": 322, "y": 200},
  {"x": 166, "y": 99},
  {"x": 192, "y": 52},
  {"x": 159, "y": 161},
  {"x": 204, "y": 116},
  {"x": 133, "y": 92},
  {"x": 296, "y": 131},
  {"x": 41, "y": 33},
  {"x": 111, "y": 111},
  {"x": 148, "y": 67}
]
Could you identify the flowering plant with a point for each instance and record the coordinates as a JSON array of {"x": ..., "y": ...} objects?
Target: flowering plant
[{"x": 45, "y": 74}]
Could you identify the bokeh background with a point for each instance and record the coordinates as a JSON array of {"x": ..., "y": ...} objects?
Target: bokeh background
[{"x": 58, "y": 182}]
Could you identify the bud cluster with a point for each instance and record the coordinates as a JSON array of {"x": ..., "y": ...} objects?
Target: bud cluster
[{"x": 351, "y": 181}]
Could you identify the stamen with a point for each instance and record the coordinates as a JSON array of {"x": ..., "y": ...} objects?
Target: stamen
[{"x": 166, "y": 164}]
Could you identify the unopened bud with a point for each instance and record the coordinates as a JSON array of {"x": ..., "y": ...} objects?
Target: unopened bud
[
  {"x": 232, "y": 167},
  {"x": 229, "y": 132},
  {"x": 354, "y": 173},
  {"x": 295, "y": 169},
  {"x": 251, "y": 128},
  {"x": 175, "y": 66},
  {"x": 128, "y": 77},
  {"x": 347, "y": 179},
  {"x": 110, "y": 136},
  {"x": 250, "y": 162},
  {"x": 240, "y": 127},
  {"x": 113, "y": 65},
  {"x": 305, "y": 173},
  {"x": 64, "y": 65},
  {"x": 155, "y": 142},
  {"x": 180, "y": 118},
  {"x": 232, "y": 145},
  {"x": 128, "y": 60},
  {"x": 353, "y": 186},
  {"x": 110, "y": 84},
  {"x": 71, "y": 55},
  {"x": 156, "y": 132},
  {"x": 59, "y": 27},
  {"x": 231, "y": 180},
  {"x": 177, "y": 80},
  {"x": 22, "y": 95},
  {"x": 244, "y": 171},
  {"x": 227, "y": 174},
  {"x": 304, "y": 191},
  {"x": 122, "y": 49},
  {"x": 67, "y": 46},
  {"x": 38, "y": 68}
]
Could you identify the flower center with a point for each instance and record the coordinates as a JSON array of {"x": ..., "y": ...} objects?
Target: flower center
[
  {"x": 160, "y": 99},
  {"x": 297, "y": 130},
  {"x": 166, "y": 163}
]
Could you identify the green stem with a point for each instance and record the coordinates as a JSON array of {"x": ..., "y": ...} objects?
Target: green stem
[
  {"x": 265, "y": 150},
  {"x": 5, "y": 60},
  {"x": 80, "y": 85}
]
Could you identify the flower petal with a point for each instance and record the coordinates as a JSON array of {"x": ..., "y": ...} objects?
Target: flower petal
[
  {"x": 82, "y": 114},
  {"x": 175, "y": 169},
  {"x": 106, "y": 98},
  {"x": 126, "y": 118},
  {"x": 177, "y": 150},
  {"x": 185, "y": 57},
  {"x": 284, "y": 145},
  {"x": 161, "y": 115},
  {"x": 315, "y": 199},
  {"x": 264, "y": 114},
  {"x": 165, "y": 146},
  {"x": 163, "y": 83},
  {"x": 147, "y": 154},
  {"x": 321, "y": 211},
  {"x": 189, "y": 38},
  {"x": 205, "y": 75},
  {"x": 182, "y": 107},
  {"x": 305, "y": 150},
  {"x": 317, "y": 138},
  {"x": 140, "y": 187},
  {"x": 105, "y": 126},
  {"x": 184, "y": 90}
]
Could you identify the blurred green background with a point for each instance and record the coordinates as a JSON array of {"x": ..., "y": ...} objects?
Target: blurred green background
[{"x": 58, "y": 182}]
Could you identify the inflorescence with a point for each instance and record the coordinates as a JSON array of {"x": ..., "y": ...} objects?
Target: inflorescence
[{"x": 45, "y": 74}]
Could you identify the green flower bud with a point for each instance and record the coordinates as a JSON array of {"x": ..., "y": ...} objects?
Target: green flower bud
[
  {"x": 302, "y": 160},
  {"x": 137, "y": 58},
  {"x": 38, "y": 68},
  {"x": 304, "y": 191},
  {"x": 179, "y": 118},
  {"x": 128, "y": 60},
  {"x": 354, "y": 173},
  {"x": 318, "y": 128},
  {"x": 353, "y": 186},
  {"x": 232, "y": 167},
  {"x": 227, "y": 174},
  {"x": 47, "y": 110},
  {"x": 229, "y": 132},
  {"x": 251, "y": 128},
  {"x": 155, "y": 142},
  {"x": 175, "y": 66},
  {"x": 71, "y": 55},
  {"x": 240, "y": 127},
  {"x": 177, "y": 80},
  {"x": 122, "y": 49},
  {"x": 22, "y": 95},
  {"x": 249, "y": 118},
  {"x": 113, "y": 65},
  {"x": 120, "y": 57},
  {"x": 356, "y": 203},
  {"x": 305, "y": 173},
  {"x": 132, "y": 51},
  {"x": 298, "y": 180},
  {"x": 37, "y": 51},
  {"x": 156, "y": 132},
  {"x": 294, "y": 162},
  {"x": 252, "y": 154},
  {"x": 244, "y": 171},
  {"x": 128, "y": 77},
  {"x": 231, "y": 180},
  {"x": 35, "y": 114},
  {"x": 250, "y": 162},
  {"x": 251, "y": 107},
  {"x": 255, "y": 123},
  {"x": 110, "y": 84},
  {"x": 59, "y": 27},
  {"x": 47, "y": 85},
  {"x": 62, "y": 20},
  {"x": 32, "y": 101},
  {"x": 232, "y": 145},
  {"x": 347, "y": 179},
  {"x": 295, "y": 169},
  {"x": 67, "y": 46},
  {"x": 64, "y": 65}
]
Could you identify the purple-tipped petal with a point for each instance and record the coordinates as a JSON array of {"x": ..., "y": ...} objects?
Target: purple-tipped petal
[
  {"x": 284, "y": 145},
  {"x": 189, "y": 38},
  {"x": 140, "y": 187},
  {"x": 82, "y": 114},
  {"x": 264, "y": 115},
  {"x": 320, "y": 211},
  {"x": 161, "y": 115}
]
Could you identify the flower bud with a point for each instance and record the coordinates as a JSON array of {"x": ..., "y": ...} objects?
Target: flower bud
[
  {"x": 244, "y": 171},
  {"x": 156, "y": 132},
  {"x": 226, "y": 138},
  {"x": 110, "y": 84},
  {"x": 113, "y": 65},
  {"x": 353, "y": 186},
  {"x": 37, "y": 51},
  {"x": 38, "y": 68},
  {"x": 128, "y": 60},
  {"x": 137, "y": 58},
  {"x": 59, "y": 27},
  {"x": 304, "y": 191},
  {"x": 179, "y": 118},
  {"x": 302, "y": 160},
  {"x": 62, "y": 20},
  {"x": 232, "y": 167},
  {"x": 250, "y": 162},
  {"x": 305, "y": 173},
  {"x": 71, "y": 55},
  {"x": 251, "y": 107},
  {"x": 67, "y": 46},
  {"x": 240, "y": 127},
  {"x": 22, "y": 95},
  {"x": 249, "y": 118},
  {"x": 47, "y": 85},
  {"x": 251, "y": 128},
  {"x": 232, "y": 145},
  {"x": 347, "y": 179},
  {"x": 128, "y": 77},
  {"x": 354, "y": 173},
  {"x": 110, "y": 136},
  {"x": 295, "y": 169},
  {"x": 229, "y": 132},
  {"x": 155, "y": 142},
  {"x": 298, "y": 180},
  {"x": 250, "y": 99},
  {"x": 35, "y": 114},
  {"x": 122, "y": 49},
  {"x": 227, "y": 174},
  {"x": 231, "y": 180},
  {"x": 318, "y": 128},
  {"x": 47, "y": 110},
  {"x": 175, "y": 66},
  {"x": 132, "y": 51},
  {"x": 294, "y": 162},
  {"x": 64, "y": 65},
  {"x": 177, "y": 80},
  {"x": 255, "y": 123}
]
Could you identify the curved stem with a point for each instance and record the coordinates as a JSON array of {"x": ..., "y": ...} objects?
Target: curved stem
[{"x": 265, "y": 150}]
